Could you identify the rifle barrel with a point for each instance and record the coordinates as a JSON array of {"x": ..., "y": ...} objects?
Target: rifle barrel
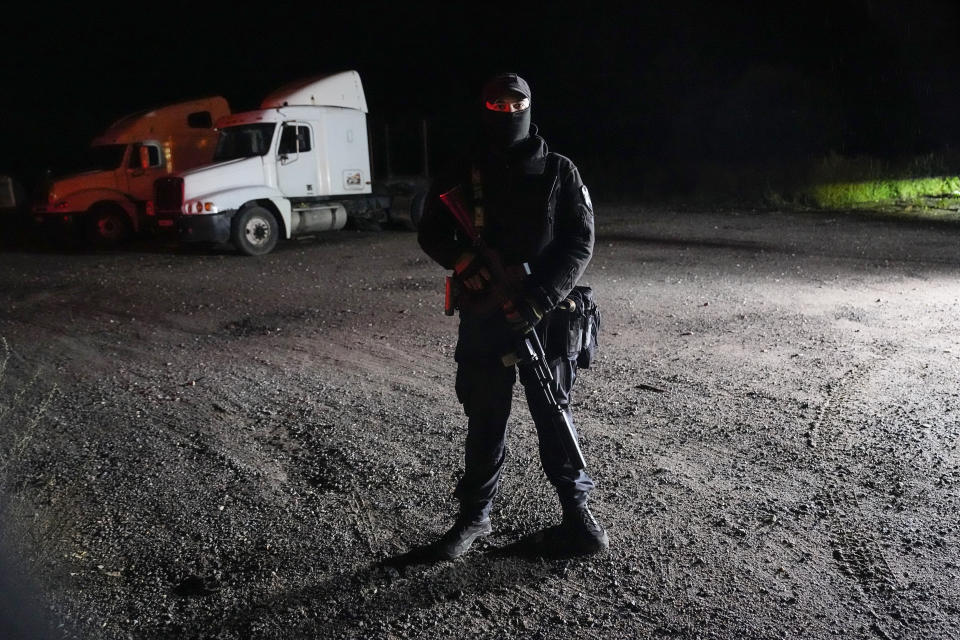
[{"x": 561, "y": 421}]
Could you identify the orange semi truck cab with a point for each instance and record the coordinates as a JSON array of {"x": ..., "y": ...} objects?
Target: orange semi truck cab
[{"x": 111, "y": 197}]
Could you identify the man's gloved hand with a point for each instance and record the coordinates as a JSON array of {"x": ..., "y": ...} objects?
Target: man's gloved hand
[
  {"x": 471, "y": 272},
  {"x": 522, "y": 315}
]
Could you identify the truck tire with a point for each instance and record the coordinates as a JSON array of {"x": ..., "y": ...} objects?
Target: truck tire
[
  {"x": 108, "y": 226},
  {"x": 254, "y": 231},
  {"x": 416, "y": 209}
]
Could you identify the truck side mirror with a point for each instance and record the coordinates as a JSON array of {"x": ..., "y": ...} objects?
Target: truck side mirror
[{"x": 144, "y": 157}]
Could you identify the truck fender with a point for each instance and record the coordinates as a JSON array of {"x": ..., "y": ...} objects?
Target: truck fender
[
  {"x": 87, "y": 199},
  {"x": 235, "y": 199}
]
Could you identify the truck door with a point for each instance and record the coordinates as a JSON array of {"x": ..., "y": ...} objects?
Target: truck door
[
  {"x": 297, "y": 161},
  {"x": 144, "y": 166}
]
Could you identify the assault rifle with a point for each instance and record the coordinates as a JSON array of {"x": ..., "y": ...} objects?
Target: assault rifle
[{"x": 505, "y": 287}]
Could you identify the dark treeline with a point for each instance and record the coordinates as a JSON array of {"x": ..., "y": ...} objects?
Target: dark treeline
[{"x": 626, "y": 89}]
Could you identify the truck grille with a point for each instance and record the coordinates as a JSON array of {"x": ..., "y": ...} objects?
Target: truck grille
[{"x": 169, "y": 194}]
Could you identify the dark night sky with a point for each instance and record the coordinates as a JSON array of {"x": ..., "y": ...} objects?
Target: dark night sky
[{"x": 613, "y": 82}]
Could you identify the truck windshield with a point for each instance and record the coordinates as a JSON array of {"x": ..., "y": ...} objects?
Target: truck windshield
[
  {"x": 244, "y": 141},
  {"x": 102, "y": 157}
]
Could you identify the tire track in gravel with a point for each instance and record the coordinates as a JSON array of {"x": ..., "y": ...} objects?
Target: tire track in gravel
[
  {"x": 855, "y": 549},
  {"x": 363, "y": 525}
]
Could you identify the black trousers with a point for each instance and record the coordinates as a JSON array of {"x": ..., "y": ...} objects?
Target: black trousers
[{"x": 485, "y": 389}]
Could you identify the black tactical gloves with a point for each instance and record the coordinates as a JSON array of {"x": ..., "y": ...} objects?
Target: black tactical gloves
[{"x": 522, "y": 315}]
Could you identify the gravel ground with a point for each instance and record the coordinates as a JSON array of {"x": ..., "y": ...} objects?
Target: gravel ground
[{"x": 199, "y": 445}]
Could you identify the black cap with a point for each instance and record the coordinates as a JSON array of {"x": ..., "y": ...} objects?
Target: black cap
[{"x": 504, "y": 82}]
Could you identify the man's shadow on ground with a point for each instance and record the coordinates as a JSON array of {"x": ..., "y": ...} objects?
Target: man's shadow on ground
[
  {"x": 394, "y": 587},
  {"x": 545, "y": 544}
]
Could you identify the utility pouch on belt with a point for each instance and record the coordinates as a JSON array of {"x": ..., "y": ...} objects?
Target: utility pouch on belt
[
  {"x": 574, "y": 327},
  {"x": 591, "y": 328}
]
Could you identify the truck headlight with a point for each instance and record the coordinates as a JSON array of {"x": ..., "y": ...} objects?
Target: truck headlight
[{"x": 200, "y": 206}]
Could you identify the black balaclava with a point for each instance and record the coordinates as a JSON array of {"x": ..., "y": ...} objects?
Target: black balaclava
[{"x": 503, "y": 130}]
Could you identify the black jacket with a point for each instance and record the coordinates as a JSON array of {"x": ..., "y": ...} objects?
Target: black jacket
[{"x": 537, "y": 210}]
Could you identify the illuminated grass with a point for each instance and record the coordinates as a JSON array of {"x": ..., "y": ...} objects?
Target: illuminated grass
[{"x": 884, "y": 192}]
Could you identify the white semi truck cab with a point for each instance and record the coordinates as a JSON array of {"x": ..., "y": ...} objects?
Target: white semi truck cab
[
  {"x": 299, "y": 165},
  {"x": 111, "y": 196}
]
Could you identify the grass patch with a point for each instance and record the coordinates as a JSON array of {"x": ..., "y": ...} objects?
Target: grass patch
[
  {"x": 925, "y": 182},
  {"x": 926, "y": 185},
  {"x": 941, "y": 191}
]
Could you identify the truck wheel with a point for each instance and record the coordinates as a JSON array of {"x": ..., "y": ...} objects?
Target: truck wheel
[
  {"x": 254, "y": 231},
  {"x": 416, "y": 209},
  {"x": 108, "y": 226}
]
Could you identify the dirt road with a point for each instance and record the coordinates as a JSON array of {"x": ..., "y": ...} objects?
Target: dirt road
[{"x": 199, "y": 445}]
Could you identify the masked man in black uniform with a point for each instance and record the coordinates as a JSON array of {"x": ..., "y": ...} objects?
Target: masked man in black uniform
[{"x": 529, "y": 206}]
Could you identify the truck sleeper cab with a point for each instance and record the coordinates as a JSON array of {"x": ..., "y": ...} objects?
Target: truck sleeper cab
[
  {"x": 111, "y": 195},
  {"x": 299, "y": 165}
]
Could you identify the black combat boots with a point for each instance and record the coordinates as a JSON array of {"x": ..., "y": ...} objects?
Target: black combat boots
[
  {"x": 581, "y": 531},
  {"x": 461, "y": 535}
]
